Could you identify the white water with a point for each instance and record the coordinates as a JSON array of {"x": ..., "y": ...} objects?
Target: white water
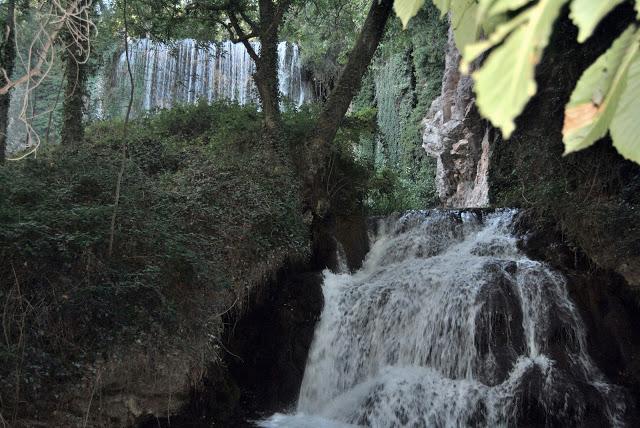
[
  {"x": 185, "y": 72},
  {"x": 449, "y": 325}
]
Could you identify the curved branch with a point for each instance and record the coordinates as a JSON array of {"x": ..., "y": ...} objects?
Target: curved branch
[{"x": 241, "y": 36}]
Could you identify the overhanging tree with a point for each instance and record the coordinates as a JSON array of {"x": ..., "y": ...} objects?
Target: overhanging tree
[{"x": 338, "y": 103}]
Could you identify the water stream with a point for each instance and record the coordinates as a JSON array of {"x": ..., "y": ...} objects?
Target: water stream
[{"x": 449, "y": 325}]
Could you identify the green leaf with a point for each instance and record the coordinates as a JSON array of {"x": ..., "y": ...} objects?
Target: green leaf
[
  {"x": 586, "y": 14},
  {"x": 625, "y": 126},
  {"x": 473, "y": 51},
  {"x": 407, "y": 9},
  {"x": 595, "y": 99},
  {"x": 638, "y": 8},
  {"x": 492, "y": 13},
  {"x": 463, "y": 20},
  {"x": 505, "y": 83}
]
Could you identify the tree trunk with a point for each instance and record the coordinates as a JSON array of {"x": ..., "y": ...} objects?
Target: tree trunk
[
  {"x": 73, "y": 105},
  {"x": 76, "y": 86},
  {"x": 266, "y": 76},
  {"x": 338, "y": 103},
  {"x": 8, "y": 57}
]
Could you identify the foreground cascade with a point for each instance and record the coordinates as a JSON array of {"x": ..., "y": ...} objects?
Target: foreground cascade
[{"x": 449, "y": 325}]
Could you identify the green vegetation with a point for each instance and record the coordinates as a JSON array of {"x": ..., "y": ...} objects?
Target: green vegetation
[
  {"x": 312, "y": 25},
  {"x": 204, "y": 215},
  {"x": 403, "y": 80},
  {"x": 606, "y": 97}
]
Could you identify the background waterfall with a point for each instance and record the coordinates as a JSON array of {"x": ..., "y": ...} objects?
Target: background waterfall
[
  {"x": 185, "y": 72},
  {"x": 449, "y": 325}
]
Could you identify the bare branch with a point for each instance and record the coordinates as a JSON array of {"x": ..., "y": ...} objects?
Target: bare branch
[
  {"x": 73, "y": 19},
  {"x": 123, "y": 160}
]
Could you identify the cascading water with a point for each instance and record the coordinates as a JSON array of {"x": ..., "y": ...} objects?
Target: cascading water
[
  {"x": 448, "y": 325},
  {"x": 185, "y": 72}
]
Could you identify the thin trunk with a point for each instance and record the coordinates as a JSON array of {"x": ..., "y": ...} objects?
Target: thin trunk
[
  {"x": 53, "y": 110},
  {"x": 8, "y": 58},
  {"x": 338, "y": 103},
  {"x": 266, "y": 76},
  {"x": 76, "y": 86},
  {"x": 125, "y": 133},
  {"x": 73, "y": 105}
]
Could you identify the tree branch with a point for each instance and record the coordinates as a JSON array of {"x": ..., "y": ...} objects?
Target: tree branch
[
  {"x": 252, "y": 24},
  {"x": 64, "y": 17},
  {"x": 241, "y": 36}
]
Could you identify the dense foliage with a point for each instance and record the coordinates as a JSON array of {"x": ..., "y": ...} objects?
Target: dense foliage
[{"x": 402, "y": 82}]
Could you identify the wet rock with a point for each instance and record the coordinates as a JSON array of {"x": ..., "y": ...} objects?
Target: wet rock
[
  {"x": 607, "y": 305},
  {"x": 499, "y": 336},
  {"x": 564, "y": 402},
  {"x": 268, "y": 346},
  {"x": 352, "y": 235}
]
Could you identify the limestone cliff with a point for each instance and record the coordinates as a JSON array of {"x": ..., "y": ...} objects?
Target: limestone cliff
[{"x": 459, "y": 139}]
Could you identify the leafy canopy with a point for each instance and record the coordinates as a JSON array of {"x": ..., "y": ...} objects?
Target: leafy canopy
[{"x": 607, "y": 96}]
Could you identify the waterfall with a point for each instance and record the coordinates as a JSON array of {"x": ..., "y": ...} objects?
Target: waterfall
[
  {"x": 448, "y": 324},
  {"x": 185, "y": 72}
]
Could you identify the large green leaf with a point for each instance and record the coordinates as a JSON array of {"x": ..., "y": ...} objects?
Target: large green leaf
[
  {"x": 407, "y": 9},
  {"x": 473, "y": 51},
  {"x": 625, "y": 126},
  {"x": 492, "y": 13},
  {"x": 595, "y": 99},
  {"x": 586, "y": 14},
  {"x": 505, "y": 83},
  {"x": 638, "y": 8},
  {"x": 464, "y": 23}
]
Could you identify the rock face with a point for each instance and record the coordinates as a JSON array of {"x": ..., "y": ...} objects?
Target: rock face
[
  {"x": 608, "y": 306},
  {"x": 459, "y": 139}
]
